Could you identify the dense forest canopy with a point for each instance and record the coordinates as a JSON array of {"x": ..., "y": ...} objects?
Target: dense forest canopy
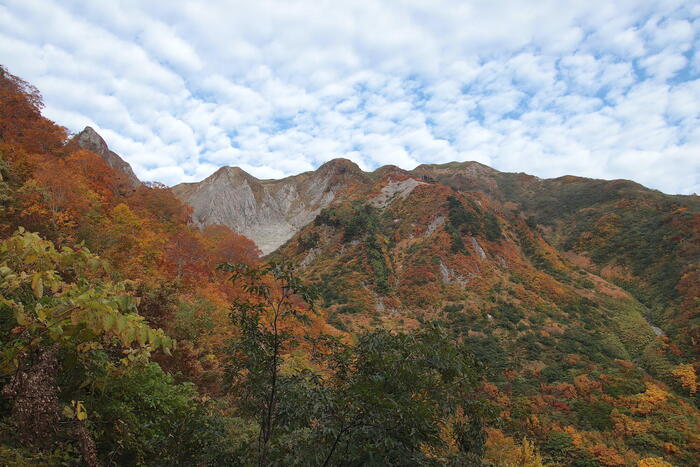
[{"x": 446, "y": 325}]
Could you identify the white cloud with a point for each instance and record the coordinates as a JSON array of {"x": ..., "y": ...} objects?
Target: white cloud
[{"x": 603, "y": 89}]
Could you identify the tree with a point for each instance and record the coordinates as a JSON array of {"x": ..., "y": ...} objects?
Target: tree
[
  {"x": 157, "y": 201},
  {"x": 277, "y": 303},
  {"x": 687, "y": 377},
  {"x": 186, "y": 255},
  {"x": 225, "y": 246},
  {"x": 391, "y": 398},
  {"x": 395, "y": 399},
  {"x": 20, "y": 117}
]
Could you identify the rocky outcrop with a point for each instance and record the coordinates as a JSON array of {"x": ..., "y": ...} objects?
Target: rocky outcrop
[
  {"x": 395, "y": 188},
  {"x": 89, "y": 139},
  {"x": 269, "y": 212}
]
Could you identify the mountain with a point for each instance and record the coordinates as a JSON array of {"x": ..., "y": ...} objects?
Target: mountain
[
  {"x": 563, "y": 329},
  {"x": 268, "y": 211},
  {"x": 643, "y": 240},
  {"x": 549, "y": 280},
  {"x": 640, "y": 239},
  {"x": 464, "y": 316},
  {"x": 89, "y": 139}
]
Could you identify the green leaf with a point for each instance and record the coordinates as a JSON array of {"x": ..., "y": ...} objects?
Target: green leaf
[
  {"x": 108, "y": 321},
  {"x": 142, "y": 335}
]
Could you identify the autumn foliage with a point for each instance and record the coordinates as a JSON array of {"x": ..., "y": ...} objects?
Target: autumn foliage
[{"x": 575, "y": 374}]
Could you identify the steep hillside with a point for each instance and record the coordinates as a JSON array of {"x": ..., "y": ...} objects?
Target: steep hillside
[
  {"x": 640, "y": 239},
  {"x": 463, "y": 316},
  {"x": 557, "y": 339},
  {"x": 643, "y": 240}
]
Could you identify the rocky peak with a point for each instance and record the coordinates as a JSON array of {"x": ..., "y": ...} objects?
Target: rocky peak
[
  {"x": 91, "y": 140},
  {"x": 391, "y": 171},
  {"x": 233, "y": 175},
  {"x": 269, "y": 212}
]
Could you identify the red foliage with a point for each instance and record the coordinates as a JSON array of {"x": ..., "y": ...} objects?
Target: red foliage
[{"x": 20, "y": 117}]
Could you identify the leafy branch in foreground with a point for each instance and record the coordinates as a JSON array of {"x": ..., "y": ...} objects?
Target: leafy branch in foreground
[{"x": 58, "y": 307}]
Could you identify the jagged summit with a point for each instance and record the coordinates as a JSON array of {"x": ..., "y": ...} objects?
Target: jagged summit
[
  {"x": 471, "y": 168},
  {"x": 91, "y": 140},
  {"x": 269, "y": 212},
  {"x": 233, "y": 173}
]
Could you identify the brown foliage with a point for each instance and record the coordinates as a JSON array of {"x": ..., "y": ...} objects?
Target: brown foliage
[{"x": 34, "y": 396}]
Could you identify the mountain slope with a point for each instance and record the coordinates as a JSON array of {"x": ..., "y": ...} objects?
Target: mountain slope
[
  {"x": 516, "y": 270},
  {"x": 89, "y": 139},
  {"x": 641, "y": 239},
  {"x": 558, "y": 341},
  {"x": 268, "y": 211}
]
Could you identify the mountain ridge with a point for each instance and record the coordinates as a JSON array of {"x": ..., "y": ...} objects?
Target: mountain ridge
[
  {"x": 467, "y": 175},
  {"x": 89, "y": 139},
  {"x": 552, "y": 285}
]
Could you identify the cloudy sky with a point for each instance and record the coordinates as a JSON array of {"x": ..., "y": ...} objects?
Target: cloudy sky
[{"x": 605, "y": 89}]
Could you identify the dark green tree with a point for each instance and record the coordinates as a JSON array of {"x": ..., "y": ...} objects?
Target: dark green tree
[{"x": 388, "y": 397}]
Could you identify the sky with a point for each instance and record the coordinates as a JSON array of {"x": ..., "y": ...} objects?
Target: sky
[{"x": 602, "y": 89}]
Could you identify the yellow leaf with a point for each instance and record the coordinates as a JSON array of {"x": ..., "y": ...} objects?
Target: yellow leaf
[
  {"x": 22, "y": 319},
  {"x": 41, "y": 313},
  {"x": 37, "y": 286},
  {"x": 68, "y": 412},
  {"x": 108, "y": 321},
  {"x": 153, "y": 338},
  {"x": 120, "y": 324},
  {"x": 75, "y": 317}
]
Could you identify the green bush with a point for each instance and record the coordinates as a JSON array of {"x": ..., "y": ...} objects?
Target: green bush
[{"x": 141, "y": 416}]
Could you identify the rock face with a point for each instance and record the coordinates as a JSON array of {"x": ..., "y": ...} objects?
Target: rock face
[
  {"x": 269, "y": 212},
  {"x": 394, "y": 188},
  {"x": 89, "y": 139}
]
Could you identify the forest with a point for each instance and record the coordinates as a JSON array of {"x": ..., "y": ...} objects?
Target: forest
[{"x": 130, "y": 336}]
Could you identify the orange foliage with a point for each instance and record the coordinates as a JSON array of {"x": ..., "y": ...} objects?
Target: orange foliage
[
  {"x": 225, "y": 246},
  {"x": 156, "y": 201},
  {"x": 20, "y": 117},
  {"x": 653, "y": 462},
  {"x": 586, "y": 386},
  {"x": 649, "y": 400},
  {"x": 687, "y": 377},
  {"x": 504, "y": 450},
  {"x": 670, "y": 448},
  {"x": 607, "y": 455},
  {"x": 184, "y": 255},
  {"x": 627, "y": 426}
]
